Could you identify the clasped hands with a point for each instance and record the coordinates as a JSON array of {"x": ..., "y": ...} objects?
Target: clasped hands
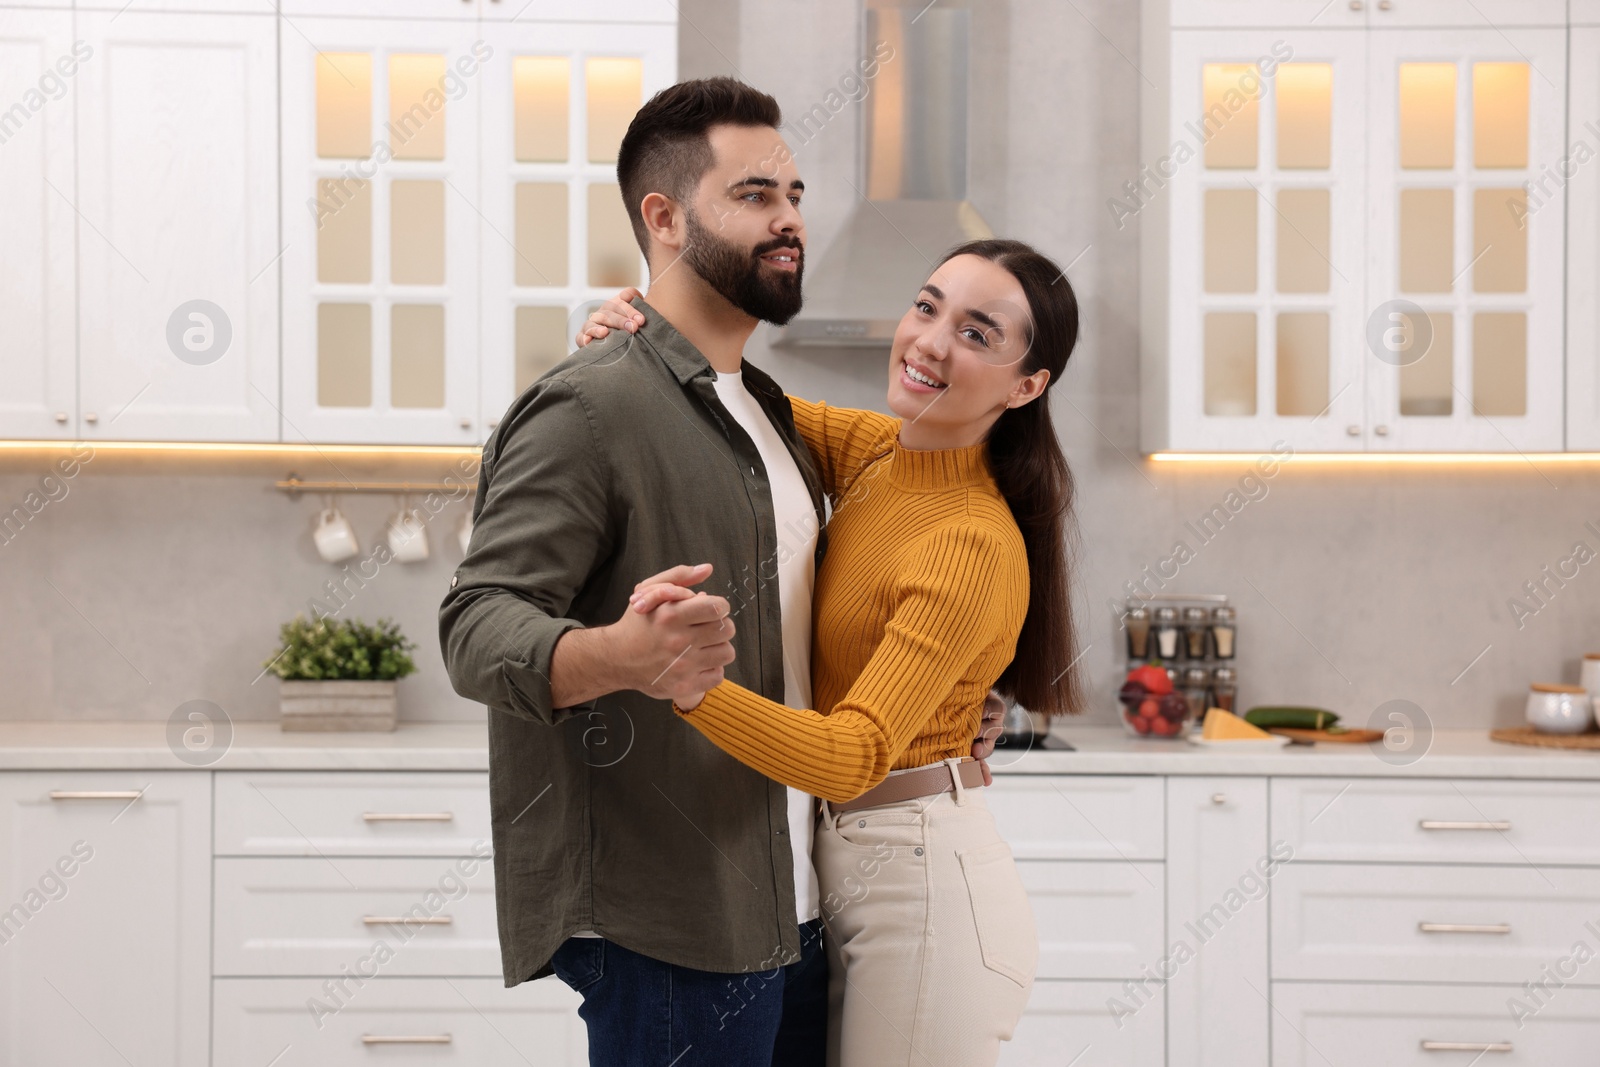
[{"x": 688, "y": 635}]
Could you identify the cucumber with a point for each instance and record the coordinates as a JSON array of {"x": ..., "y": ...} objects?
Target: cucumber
[{"x": 1295, "y": 718}]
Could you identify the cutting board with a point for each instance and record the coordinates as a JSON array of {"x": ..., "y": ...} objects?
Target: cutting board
[{"x": 1306, "y": 737}]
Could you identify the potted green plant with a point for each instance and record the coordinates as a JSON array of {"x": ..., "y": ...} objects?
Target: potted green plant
[{"x": 339, "y": 674}]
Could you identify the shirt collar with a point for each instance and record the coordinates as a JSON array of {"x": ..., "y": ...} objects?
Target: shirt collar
[{"x": 686, "y": 361}]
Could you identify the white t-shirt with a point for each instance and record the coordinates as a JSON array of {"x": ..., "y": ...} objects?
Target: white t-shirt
[{"x": 796, "y": 567}]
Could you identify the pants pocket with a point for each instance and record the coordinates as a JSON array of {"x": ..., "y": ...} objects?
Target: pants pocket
[
  {"x": 1006, "y": 934},
  {"x": 580, "y": 962}
]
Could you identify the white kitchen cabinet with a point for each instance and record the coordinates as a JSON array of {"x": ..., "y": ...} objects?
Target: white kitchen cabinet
[
  {"x": 353, "y": 813},
  {"x": 1318, "y": 1024},
  {"x": 312, "y": 1022},
  {"x": 1338, "y": 252},
  {"x": 556, "y": 237},
  {"x": 1221, "y": 869},
  {"x": 1327, "y": 14},
  {"x": 106, "y": 879},
  {"x": 177, "y": 227},
  {"x": 1405, "y": 820},
  {"x": 1460, "y": 121},
  {"x": 1079, "y": 817},
  {"x": 1089, "y": 1024},
  {"x": 38, "y": 388},
  {"x": 1577, "y": 171},
  {"x": 1369, "y": 922},
  {"x": 1095, "y": 919},
  {"x": 381, "y": 230}
]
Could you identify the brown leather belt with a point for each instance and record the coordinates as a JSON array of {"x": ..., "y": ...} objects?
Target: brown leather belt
[{"x": 923, "y": 782}]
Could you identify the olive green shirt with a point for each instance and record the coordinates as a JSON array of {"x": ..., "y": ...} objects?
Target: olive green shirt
[{"x": 617, "y": 816}]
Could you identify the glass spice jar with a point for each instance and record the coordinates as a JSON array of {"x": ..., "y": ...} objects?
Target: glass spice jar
[
  {"x": 1194, "y": 691},
  {"x": 1223, "y": 630},
  {"x": 1167, "y": 633},
  {"x": 1194, "y": 632},
  {"x": 1137, "y": 623},
  {"x": 1224, "y": 688}
]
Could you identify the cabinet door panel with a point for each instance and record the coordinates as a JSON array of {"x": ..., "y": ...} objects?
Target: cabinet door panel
[
  {"x": 381, "y": 224},
  {"x": 1089, "y": 1024},
  {"x": 38, "y": 360},
  {"x": 1295, "y": 14},
  {"x": 1266, "y": 208},
  {"x": 1466, "y": 264},
  {"x": 555, "y": 102},
  {"x": 178, "y": 299},
  {"x": 460, "y": 1020},
  {"x": 103, "y": 951},
  {"x": 1219, "y": 869},
  {"x": 1583, "y": 244},
  {"x": 1467, "y": 14}
]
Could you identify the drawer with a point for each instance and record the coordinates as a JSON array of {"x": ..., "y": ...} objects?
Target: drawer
[
  {"x": 1095, "y": 919},
  {"x": 1438, "y": 820},
  {"x": 351, "y": 813},
  {"x": 292, "y": 916},
  {"x": 1317, "y": 1024},
  {"x": 1489, "y": 924},
  {"x": 1069, "y": 1023},
  {"x": 1080, "y": 817},
  {"x": 458, "y": 1020}
]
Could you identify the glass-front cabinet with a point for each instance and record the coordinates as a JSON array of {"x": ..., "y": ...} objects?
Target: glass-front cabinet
[
  {"x": 450, "y": 203},
  {"x": 1342, "y": 247}
]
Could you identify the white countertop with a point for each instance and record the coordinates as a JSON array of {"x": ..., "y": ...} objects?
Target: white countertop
[{"x": 463, "y": 746}]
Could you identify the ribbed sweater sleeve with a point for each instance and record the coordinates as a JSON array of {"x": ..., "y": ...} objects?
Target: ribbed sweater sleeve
[
  {"x": 946, "y": 612},
  {"x": 842, "y": 440}
]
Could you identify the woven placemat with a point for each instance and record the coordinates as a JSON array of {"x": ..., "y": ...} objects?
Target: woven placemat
[{"x": 1527, "y": 735}]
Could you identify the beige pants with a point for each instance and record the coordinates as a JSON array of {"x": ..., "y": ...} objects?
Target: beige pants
[{"x": 931, "y": 941}]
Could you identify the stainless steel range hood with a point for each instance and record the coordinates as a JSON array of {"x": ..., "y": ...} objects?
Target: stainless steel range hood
[{"x": 915, "y": 182}]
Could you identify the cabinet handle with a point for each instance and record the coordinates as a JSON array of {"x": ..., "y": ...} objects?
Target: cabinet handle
[
  {"x": 407, "y": 816},
  {"x": 91, "y": 417},
  {"x": 406, "y": 1039},
  {"x": 96, "y": 794},
  {"x": 1384, "y": 5},
  {"x": 466, "y": 424},
  {"x": 1381, "y": 431},
  {"x": 1445, "y": 824},
  {"x": 493, "y": 423},
  {"x": 1466, "y": 1046},
  {"x": 1219, "y": 798},
  {"x": 61, "y": 416},
  {"x": 1355, "y": 5},
  {"x": 1353, "y": 430},
  {"x": 392, "y": 920},
  {"x": 1464, "y": 928}
]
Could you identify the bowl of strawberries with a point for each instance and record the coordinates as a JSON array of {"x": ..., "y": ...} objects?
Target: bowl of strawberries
[{"x": 1150, "y": 705}]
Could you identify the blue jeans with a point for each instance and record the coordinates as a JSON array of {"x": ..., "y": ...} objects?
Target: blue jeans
[{"x": 641, "y": 1012}]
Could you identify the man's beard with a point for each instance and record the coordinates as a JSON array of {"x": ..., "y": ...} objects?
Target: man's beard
[{"x": 736, "y": 273}]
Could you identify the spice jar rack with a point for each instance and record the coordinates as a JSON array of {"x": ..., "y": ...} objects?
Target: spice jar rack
[{"x": 1194, "y": 639}]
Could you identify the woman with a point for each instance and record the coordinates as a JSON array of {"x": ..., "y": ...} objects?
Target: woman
[{"x": 945, "y": 574}]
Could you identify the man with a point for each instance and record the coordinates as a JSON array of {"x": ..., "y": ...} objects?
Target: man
[{"x": 610, "y": 816}]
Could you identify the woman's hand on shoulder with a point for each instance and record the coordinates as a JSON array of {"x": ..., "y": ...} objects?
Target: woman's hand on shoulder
[{"x": 618, "y": 313}]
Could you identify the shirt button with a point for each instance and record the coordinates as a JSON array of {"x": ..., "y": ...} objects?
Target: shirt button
[
  {"x": 752, "y": 470},
  {"x": 454, "y": 578}
]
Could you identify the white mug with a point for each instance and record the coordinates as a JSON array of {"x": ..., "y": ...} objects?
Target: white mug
[
  {"x": 408, "y": 536},
  {"x": 464, "y": 534},
  {"x": 334, "y": 536},
  {"x": 1559, "y": 709}
]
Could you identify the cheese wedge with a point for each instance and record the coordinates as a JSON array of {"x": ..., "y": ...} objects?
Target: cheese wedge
[{"x": 1225, "y": 726}]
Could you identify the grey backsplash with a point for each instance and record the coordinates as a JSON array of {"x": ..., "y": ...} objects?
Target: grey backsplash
[{"x": 155, "y": 581}]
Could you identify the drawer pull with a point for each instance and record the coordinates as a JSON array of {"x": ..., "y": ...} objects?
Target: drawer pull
[
  {"x": 1445, "y": 824},
  {"x": 1464, "y": 928},
  {"x": 388, "y": 920},
  {"x": 405, "y": 1039},
  {"x": 1466, "y": 1046},
  {"x": 407, "y": 816},
  {"x": 96, "y": 794}
]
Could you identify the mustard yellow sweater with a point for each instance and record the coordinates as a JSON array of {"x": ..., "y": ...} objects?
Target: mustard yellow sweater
[{"x": 916, "y": 612}]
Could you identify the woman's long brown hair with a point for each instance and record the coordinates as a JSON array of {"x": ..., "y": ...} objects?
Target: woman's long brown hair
[{"x": 1032, "y": 473}]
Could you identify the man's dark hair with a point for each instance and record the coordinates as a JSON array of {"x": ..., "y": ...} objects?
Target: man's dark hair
[{"x": 667, "y": 149}]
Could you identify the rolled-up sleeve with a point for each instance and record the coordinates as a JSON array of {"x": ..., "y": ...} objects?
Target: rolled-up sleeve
[{"x": 541, "y": 526}]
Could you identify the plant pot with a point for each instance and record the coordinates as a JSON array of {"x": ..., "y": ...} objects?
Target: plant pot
[{"x": 339, "y": 705}]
